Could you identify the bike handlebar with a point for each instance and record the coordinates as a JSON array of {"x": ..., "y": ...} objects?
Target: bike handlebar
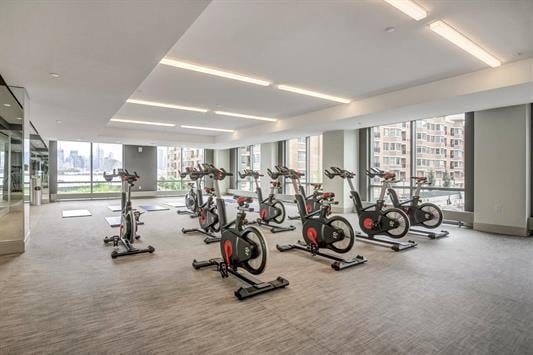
[
  {"x": 216, "y": 173},
  {"x": 123, "y": 174},
  {"x": 274, "y": 175},
  {"x": 249, "y": 172},
  {"x": 342, "y": 173}
]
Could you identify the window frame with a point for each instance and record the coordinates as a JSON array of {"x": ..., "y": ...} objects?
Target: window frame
[
  {"x": 414, "y": 136},
  {"x": 238, "y": 180},
  {"x": 182, "y": 182},
  {"x": 286, "y": 152}
]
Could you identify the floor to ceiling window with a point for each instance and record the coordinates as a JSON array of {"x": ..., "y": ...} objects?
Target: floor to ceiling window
[
  {"x": 248, "y": 157},
  {"x": 437, "y": 153},
  {"x": 172, "y": 160},
  {"x": 304, "y": 154},
  {"x": 81, "y": 165},
  {"x": 73, "y": 167},
  {"x": 106, "y": 158},
  {"x": 440, "y": 157},
  {"x": 391, "y": 149}
]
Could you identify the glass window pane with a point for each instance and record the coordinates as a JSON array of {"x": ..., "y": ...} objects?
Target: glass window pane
[
  {"x": 73, "y": 167},
  {"x": 256, "y": 161},
  {"x": 172, "y": 160},
  {"x": 192, "y": 157},
  {"x": 390, "y": 151},
  {"x": 297, "y": 156},
  {"x": 315, "y": 159},
  {"x": 244, "y": 162},
  {"x": 440, "y": 157},
  {"x": 106, "y": 157}
]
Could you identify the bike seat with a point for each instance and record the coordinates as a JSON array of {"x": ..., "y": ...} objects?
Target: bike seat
[
  {"x": 242, "y": 200},
  {"x": 190, "y": 184},
  {"x": 327, "y": 195},
  {"x": 389, "y": 176},
  {"x": 209, "y": 190},
  {"x": 419, "y": 178}
]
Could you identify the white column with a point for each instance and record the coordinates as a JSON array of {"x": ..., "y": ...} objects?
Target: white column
[
  {"x": 222, "y": 160},
  {"x": 269, "y": 158},
  {"x": 502, "y": 163},
  {"x": 341, "y": 149}
]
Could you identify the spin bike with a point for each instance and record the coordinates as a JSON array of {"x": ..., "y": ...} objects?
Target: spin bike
[
  {"x": 193, "y": 199},
  {"x": 208, "y": 216},
  {"x": 270, "y": 209},
  {"x": 129, "y": 218},
  {"x": 312, "y": 201},
  {"x": 375, "y": 219},
  {"x": 241, "y": 246},
  {"x": 427, "y": 215},
  {"x": 323, "y": 232}
]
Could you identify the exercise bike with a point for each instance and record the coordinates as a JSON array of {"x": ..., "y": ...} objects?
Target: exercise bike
[
  {"x": 323, "y": 232},
  {"x": 375, "y": 219},
  {"x": 208, "y": 216},
  {"x": 241, "y": 246},
  {"x": 427, "y": 215},
  {"x": 129, "y": 218},
  {"x": 312, "y": 201},
  {"x": 270, "y": 209},
  {"x": 193, "y": 199}
]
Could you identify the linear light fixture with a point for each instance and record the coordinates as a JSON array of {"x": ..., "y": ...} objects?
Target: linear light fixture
[
  {"x": 207, "y": 128},
  {"x": 444, "y": 30},
  {"x": 148, "y": 123},
  {"x": 409, "y": 8},
  {"x": 213, "y": 71},
  {"x": 313, "y": 93},
  {"x": 232, "y": 114},
  {"x": 161, "y": 104}
]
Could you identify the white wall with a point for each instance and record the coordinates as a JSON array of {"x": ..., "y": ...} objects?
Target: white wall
[{"x": 502, "y": 170}]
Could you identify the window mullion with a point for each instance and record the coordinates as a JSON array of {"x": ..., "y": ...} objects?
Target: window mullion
[
  {"x": 307, "y": 162},
  {"x": 91, "y": 167},
  {"x": 412, "y": 157}
]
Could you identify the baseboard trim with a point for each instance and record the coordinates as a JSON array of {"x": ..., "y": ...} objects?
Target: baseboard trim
[
  {"x": 499, "y": 229},
  {"x": 8, "y": 247}
]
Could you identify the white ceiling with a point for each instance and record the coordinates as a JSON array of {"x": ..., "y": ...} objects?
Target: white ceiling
[
  {"x": 339, "y": 48},
  {"x": 103, "y": 50}
]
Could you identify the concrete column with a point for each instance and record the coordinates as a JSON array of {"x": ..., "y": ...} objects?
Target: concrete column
[
  {"x": 469, "y": 161},
  {"x": 269, "y": 158},
  {"x": 340, "y": 148},
  {"x": 502, "y": 165},
  {"x": 222, "y": 160}
]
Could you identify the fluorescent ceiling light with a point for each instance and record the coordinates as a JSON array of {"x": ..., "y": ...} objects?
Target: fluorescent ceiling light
[
  {"x": 7, "y": 105},
  {"x": 461, "y": 41},
  {"x": 409, "y": 8},
  {"x": 313, "y": 93},
  {"x": 224, "y": 113},
  {"x": 161, "y": 104},
  {"x": 212, "y": 71},
  {"x": 148, "y": 123},
  {"x": 208, "y": 129}
]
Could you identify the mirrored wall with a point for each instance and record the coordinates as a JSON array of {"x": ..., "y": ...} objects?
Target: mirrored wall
[{"x": 12, "y": 171}]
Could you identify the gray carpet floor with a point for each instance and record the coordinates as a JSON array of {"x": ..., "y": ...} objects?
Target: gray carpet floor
[{"x": 471, "y": 293}]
